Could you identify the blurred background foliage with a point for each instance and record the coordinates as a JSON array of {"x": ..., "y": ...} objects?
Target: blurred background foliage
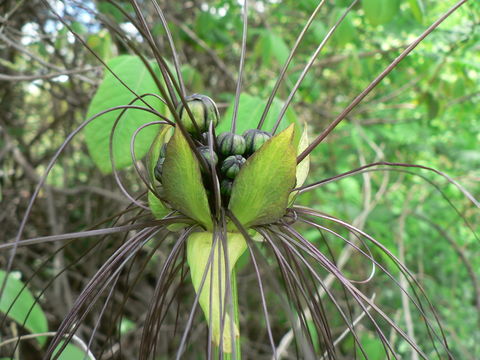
[{"x": 426, "y": 112}]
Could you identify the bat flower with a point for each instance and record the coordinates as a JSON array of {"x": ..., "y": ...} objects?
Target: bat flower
[{"x": 218, "y": 206}]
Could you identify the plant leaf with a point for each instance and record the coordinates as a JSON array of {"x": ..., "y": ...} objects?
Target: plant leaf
[
  {"x": 261, "y": 189},
  {"x": 182, "y": 181},
  {"x": 199, "y": 247},
  {"x": 71, "y": 352},
  {"x": 346, "y": 31},
  {"x": 379, "y": 12},
  {"x": 112, "y": 93},
  {"x": 158, "y": 208},
  {"x": 418, "y": 9},
  {"x": 36, "y": 322}
]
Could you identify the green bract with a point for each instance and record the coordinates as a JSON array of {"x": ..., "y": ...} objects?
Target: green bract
[
  {"x": 182, "y": 181},
  {"x": 201, "y": 259},
  {"x": 261, "y": 189}
]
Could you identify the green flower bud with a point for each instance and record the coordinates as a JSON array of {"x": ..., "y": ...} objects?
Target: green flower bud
[
  {"x": 226, "y": 187},
  {"x": 203, "y": 110},
  {"x": 231, "y": 144},
  {"x": 231, "y": 165},
  {"x": 159, "y": 168},
  {"x": 207, "y": 155},
  {"x": 254, "y": 139}
]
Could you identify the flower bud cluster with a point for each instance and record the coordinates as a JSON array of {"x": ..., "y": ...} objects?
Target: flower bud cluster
[{"x": 230, "y": 150}]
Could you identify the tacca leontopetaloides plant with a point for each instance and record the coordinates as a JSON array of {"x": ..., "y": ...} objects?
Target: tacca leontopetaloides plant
[{"x": 222, "y": 195}]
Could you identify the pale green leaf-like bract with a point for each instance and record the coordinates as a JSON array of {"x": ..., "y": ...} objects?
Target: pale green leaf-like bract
[{"x": 261, "y": 189}]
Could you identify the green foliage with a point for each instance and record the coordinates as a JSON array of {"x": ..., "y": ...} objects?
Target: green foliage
[
  {"x": 71, "y": 352},
  {"x": 418, "y": 9},
  {"x": 20, "y": 305},
  {"x": 270, "y": 48},
  {"x": 112, "y": 93},
  {"x": 380, "y": 12}
]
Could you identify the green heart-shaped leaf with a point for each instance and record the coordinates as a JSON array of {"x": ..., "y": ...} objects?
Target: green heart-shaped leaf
[
  {"x": 182, "y": 181},
  {"x": 112, "y": 93},
  {"x": 261, "y": 189},
  {"x": 199, "y": 248}
]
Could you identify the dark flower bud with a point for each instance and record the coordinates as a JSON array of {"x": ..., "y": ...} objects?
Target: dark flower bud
[
  {"x": 163, "y": 150},
  {"x": 159, "y": 168},
  {"x": 231, "y": 144},
  {"x": 254, "y": 139},
  {"x": 231, "y": 165},
  {"x": 203, "y": 110},
  {"x": 226, "y": 187},
  {"x": 207, "y": 155}
]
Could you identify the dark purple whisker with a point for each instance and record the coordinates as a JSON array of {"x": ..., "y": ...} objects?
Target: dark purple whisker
[
  {"x": 102, "y": 311},
  {"x": 176, "y": 62},
  {"x": 368, "y": 254},
  {"x": 309, "y": 65},
  {"x": 147, "y": 182},
  {"x": 168, "y": 77},
  {"x": 226, "y": 299},
  {"x": 196, "y": 300},
  {"x": 377, "y": 80},
  {"x": 112, "y": 157},
  {"x": 409, "y": 276},
  {"x": 293, "y": 294},
  {"x": 357, "y": 295},
  {"x": 89, "y": 233},
  {"x": 287, "y": 63},
  {"x": 359, "y": 171},
  {"x": 462, "y": 256},
  {"x": 45, "y": 175},
  {"x": 311, "y": 303},
  {"x": 79, "y": 38},
  {"x": 79, "y": 259},
  {"x": 153, "y": 318},
  {"x": 240, "y": 66},
  {"x": 97, "y": 285},
  {"x": 147, "y": 34},
  {"x": 212, "y": 147},
  {"x": 393, "y": 164}
]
